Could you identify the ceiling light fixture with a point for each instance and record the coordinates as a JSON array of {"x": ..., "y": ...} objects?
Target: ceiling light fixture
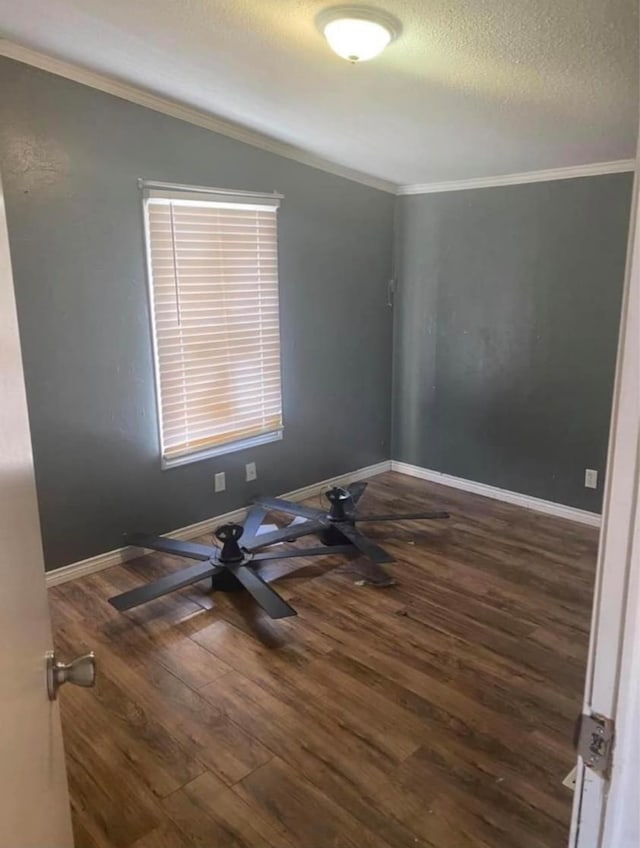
[{"x": 357, "y": 33}]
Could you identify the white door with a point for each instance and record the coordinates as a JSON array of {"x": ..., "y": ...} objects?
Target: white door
[
  {"x": 606, "y": 811},
  {"x": 34, "y": 805}
]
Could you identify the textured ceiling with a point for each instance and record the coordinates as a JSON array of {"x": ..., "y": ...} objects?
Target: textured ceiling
[{"x": 472, "y": 88}]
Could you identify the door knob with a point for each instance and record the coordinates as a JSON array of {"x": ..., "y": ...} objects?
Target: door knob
[{"x": 80, "y": 672}]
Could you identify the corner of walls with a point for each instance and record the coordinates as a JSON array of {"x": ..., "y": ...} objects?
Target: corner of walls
[
  {"x": 396, "y": 275},
  {"x": 506, "y": 324}
]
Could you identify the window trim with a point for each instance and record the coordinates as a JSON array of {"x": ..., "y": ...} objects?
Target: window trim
[{"x": 152, "y": 189}]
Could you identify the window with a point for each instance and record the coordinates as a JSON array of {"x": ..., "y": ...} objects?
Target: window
[{"x": 213, "y": 275}]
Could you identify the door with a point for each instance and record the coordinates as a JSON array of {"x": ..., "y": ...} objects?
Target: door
[
  {"x": 34, "y": 805},
  {"x": 605, "y": 814}
]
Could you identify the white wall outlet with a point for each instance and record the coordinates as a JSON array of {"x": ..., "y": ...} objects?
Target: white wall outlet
[
  {"x": 591, "y": 478},
  {"x": 251, "y": 474},
  {"x": 220, "y": 482}
]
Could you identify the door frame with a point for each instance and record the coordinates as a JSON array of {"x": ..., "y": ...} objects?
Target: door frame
[{"x": 605, "y": 814}]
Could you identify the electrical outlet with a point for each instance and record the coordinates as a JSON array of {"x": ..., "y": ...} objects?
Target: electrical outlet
[
  {"x": 220, "y": 482},
  {"x": 591, "y": 478},
  {"x": 251, "y": 472}
]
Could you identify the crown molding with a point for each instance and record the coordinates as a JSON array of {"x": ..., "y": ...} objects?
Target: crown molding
[
  {"x": 198, "y": 117},
  {"x": 206, "y": 120},
  {"x": 571, "y": 172}
]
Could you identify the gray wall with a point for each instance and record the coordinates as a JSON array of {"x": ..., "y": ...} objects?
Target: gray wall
[
  {"x": 506, "y": 332},
  {"x": 70, "y": 157}
]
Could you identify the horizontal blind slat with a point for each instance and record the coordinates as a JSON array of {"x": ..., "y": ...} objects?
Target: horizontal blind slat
[
  {"x": 173, "y": 368},
  {"x": 201, "y": 427},
  {"x": 221, "y": 385},
  {"x": 180, "y": 434},
  {"x": 202, "y": 407},
  {"x": 181, "y": 449},
  {"x": 198, "y": 357}
]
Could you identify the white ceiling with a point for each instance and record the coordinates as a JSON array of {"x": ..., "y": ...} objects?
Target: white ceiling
[{"x": 472, "y": 88}]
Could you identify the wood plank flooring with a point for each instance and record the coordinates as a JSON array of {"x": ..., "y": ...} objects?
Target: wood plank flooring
[{"x": 438, "y": 712}]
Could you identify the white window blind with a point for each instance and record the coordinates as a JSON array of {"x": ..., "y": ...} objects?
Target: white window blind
[{"x": 213, "y": 269}]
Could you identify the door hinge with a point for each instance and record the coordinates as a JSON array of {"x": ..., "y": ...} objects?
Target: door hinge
[{"x": 594, "y": 741}]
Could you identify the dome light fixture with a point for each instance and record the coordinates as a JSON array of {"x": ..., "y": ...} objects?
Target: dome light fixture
[{"x": 357, "y": 33}]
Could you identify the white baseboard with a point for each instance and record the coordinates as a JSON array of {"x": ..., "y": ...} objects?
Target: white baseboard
[
  {"x": 527, "y": 501},
  {"x": 120, "y": 555}
]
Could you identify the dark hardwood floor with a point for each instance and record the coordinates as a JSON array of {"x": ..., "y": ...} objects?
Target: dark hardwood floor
[{"x": 435, "y": 713}]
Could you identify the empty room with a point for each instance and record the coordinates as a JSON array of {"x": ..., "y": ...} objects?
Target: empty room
[{"x": 319, "y": 424}]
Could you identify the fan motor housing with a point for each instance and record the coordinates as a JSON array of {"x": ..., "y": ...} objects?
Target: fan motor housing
[{"x": 337, "y": 497}]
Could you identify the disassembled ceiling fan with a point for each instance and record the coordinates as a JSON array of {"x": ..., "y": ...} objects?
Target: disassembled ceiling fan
[
  {"x": 337, "y": 525},
  {"x": 236, "y": 566}
]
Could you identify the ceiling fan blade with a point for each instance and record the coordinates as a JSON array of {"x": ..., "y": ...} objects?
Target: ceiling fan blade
[
  {"x": 262, "y": 593},
  {"x": 280, "y": 505},
  {"x": 325, "y": 550},
  {"x": 170, "y": 583},
  {"x": 356, "y": 490},
  {"x": 172, "y": 546},
  {"x": 292, "y": 532},
  {"x": 407, "y": 516},
  {"x": 366, "y": 546},
  {"x": 252, "y": 523}
]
